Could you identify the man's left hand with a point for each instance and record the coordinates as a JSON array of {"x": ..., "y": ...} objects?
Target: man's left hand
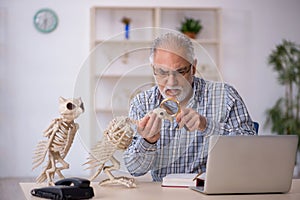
[{"x": 191, "y": 120}]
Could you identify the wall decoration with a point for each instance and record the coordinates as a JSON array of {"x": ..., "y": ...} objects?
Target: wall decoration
[
  {"x": 45, "y": 20},
  {"x": 126, "y": 21}
]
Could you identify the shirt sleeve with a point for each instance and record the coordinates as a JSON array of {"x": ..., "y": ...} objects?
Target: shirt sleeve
[
  {"x": 236, "y": 120},
  {"x": 140, "y": 155}
]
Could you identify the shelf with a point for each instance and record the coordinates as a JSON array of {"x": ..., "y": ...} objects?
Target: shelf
[
  {"x": 111, "y": 17},
  {"x": 118, "y": 42},
  {"x": 118, "y": 76},
  {"x": 208, "y": 41},
  {"x": 148, "y": 42}
]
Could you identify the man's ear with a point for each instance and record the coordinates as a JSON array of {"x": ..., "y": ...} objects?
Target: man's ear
[
  {"x": 194, "y": 70},
  {"x": 194, "y": 67}
]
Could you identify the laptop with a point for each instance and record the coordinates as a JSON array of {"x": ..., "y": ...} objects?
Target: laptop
[{"x": 249, "y": 164}]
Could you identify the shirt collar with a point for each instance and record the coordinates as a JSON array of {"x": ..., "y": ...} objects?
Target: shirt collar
[
  {"x": 156, "y": 101},
  {"x": 198, "y": 89}
]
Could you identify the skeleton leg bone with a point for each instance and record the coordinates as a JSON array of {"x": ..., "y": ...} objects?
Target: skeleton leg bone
[
  {"x": 129, "y": 182},
  {"x": 99, "y": 170},
  {"x": 65, "y": 165},
  {"x": 50, "y": 172}
]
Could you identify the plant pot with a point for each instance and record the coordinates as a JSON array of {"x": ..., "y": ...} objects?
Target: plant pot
[{"x": 191, "y": 34}]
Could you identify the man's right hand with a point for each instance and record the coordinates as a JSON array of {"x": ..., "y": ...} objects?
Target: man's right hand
[{"x": 149, "y": 127}]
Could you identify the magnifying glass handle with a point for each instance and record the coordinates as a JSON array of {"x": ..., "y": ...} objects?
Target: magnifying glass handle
[{"x": 186, "y": 128}]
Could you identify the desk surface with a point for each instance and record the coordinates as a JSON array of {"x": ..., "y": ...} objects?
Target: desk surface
[{"x": 148, "y": 190}]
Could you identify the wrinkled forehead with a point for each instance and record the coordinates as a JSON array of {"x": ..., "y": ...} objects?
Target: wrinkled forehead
[{"x": 177, "y": 55}]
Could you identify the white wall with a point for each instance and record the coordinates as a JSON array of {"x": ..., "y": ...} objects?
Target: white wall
[{"x": 38, "y": 68}]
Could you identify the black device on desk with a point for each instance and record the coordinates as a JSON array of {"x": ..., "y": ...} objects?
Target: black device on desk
[{"x": 69, "y": 188}]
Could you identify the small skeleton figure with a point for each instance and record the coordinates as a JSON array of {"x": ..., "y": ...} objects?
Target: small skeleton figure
[
  {"x": 117, "y": 136},
  {"x": 162, "y": 114},
  {"x": 60, "y": 134}
]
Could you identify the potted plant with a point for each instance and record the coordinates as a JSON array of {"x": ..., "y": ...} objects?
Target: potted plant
[
  {"x": 191, "y": 27},
  {"x": 284, "y": 116}
]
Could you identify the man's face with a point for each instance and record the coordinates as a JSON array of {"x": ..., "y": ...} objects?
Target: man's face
[{"x": 173, "y": 74}]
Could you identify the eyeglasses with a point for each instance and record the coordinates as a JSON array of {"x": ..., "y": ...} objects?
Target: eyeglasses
[{"x": 162, "y": 73}]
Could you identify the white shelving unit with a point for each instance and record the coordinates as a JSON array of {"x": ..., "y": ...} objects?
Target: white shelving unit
[{"x": 119, "y": 68}]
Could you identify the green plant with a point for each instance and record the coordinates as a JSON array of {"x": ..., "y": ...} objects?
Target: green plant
[
  {"x": 284, "y": 115},
  {"x": 190, "y": 25}
]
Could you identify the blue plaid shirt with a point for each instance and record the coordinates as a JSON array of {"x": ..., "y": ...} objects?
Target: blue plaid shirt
[{"x": 178, "y": 150}]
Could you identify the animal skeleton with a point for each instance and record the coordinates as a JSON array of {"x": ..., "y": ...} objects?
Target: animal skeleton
[
  {"x": 60, "y": 134},
  {"x": 117, "y": 136}
]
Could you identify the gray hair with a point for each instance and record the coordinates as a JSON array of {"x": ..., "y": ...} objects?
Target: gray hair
[{"x": 176, "y": 43}]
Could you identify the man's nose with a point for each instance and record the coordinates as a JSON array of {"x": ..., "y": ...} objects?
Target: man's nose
[{"x": 172, "y": 79}]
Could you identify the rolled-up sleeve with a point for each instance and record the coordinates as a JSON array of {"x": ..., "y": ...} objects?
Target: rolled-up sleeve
[{"x": 140, "y": 156}]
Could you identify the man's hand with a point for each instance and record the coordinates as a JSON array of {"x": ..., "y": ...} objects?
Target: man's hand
[
  {"x": 190, "y": 119},
  {"x": 149, "y": 127}
]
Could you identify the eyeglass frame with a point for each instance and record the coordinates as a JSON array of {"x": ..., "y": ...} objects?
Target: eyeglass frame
[{"x": 175, "y": 72}]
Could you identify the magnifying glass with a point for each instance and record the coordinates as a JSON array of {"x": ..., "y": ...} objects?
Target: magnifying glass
[
  {"x": 171, "y": 106},
  {"x": 168, "y": 109}
]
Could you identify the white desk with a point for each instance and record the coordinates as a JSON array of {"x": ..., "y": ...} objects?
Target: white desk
[{"x": 147, "y": 190}]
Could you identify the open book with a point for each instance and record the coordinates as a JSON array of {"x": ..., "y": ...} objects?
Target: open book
[{"x": 183, "y": 180}]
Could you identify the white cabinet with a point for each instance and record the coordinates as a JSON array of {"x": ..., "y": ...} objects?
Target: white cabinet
[{"x": 119, "y": 68}]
